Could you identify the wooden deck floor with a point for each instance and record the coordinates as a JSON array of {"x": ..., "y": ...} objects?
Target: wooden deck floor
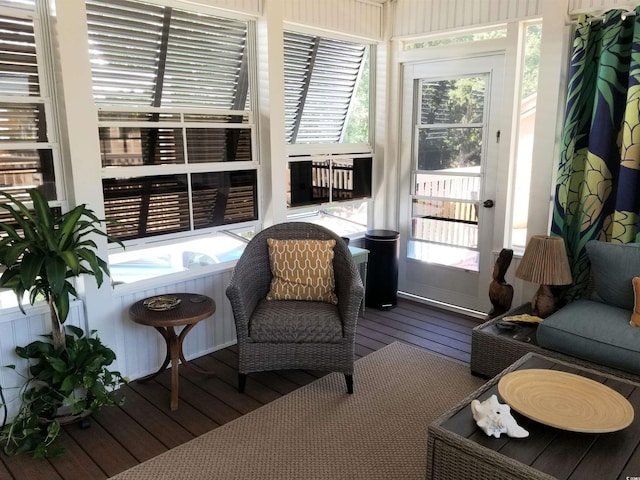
[{"x": 121, "y": 437}]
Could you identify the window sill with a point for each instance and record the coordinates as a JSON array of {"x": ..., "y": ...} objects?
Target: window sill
[{"x": 123, "y": 289}]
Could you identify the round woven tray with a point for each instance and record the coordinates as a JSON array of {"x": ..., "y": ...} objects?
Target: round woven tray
[{"x": 566, "y": 401}]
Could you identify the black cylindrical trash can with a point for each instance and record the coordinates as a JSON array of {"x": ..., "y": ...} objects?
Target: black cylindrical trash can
[{"x": 382, "y": 268}]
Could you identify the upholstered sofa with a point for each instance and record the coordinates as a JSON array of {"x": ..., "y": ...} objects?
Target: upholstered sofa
[{"x": 597, "y": 328}]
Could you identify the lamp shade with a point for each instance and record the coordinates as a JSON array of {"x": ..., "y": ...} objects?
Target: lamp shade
[{"x": 545, "y": 262}]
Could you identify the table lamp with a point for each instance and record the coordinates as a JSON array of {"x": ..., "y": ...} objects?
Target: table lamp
[{"x": 545, "y": 262}]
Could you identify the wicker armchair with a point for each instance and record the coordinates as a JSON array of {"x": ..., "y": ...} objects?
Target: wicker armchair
[{"x": 304, "y": 344}]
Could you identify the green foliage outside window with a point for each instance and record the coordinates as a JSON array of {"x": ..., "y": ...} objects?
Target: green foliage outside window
[
  {"x": 357, "y": 128},
  {"x": 458, "y": 102},
  {"x": 471, "y": 37},
  {"x": 531, "y": 60}
]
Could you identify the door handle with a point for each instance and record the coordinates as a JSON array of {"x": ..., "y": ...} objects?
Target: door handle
[{"x": 488, "y": 204}]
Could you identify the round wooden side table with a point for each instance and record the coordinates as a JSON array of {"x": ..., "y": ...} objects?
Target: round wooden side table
[{"x": 187, "y": 313}]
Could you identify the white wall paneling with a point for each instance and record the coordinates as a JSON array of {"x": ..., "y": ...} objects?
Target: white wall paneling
[
  {"x": 244, "y": 6},
  {"x": 142, "y": 349},
  {"x": 423, "y": 17},
  {"x": 352, "y": 17}
]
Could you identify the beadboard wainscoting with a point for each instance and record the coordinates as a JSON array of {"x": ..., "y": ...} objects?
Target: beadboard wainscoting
[{"x": 141, "y": 350}]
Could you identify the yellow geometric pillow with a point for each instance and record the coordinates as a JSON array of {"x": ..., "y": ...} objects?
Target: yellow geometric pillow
[
  {"x": 635, "y": 315},
  {"x": 302, "y": 270}
]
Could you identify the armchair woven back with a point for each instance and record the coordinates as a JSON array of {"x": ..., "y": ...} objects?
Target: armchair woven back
[{"x": 248, "y": 289}]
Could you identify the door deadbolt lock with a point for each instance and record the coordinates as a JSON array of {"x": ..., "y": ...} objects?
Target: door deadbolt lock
[{"x": 488, "y": 204}]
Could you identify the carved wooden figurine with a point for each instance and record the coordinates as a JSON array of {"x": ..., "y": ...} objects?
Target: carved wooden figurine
[{"x": 500, "y": 292}]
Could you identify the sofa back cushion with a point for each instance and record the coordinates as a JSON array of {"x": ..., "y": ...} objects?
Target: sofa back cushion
[{"x": 613, "y": 266}]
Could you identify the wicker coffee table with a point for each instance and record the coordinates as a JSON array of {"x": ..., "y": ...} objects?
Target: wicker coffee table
[{"x": 457, "y": 448}]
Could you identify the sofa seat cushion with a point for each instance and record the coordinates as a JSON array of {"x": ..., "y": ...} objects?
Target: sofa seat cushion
[
  {"x": 593, "y": 331},
  {"x": 295, "y": 321}
]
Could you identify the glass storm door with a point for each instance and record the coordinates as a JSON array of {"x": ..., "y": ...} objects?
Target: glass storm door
[{"x": 448, "y": 162}]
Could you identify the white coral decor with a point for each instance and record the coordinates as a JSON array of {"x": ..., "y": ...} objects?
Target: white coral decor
[{"x": 495, "y": 418}]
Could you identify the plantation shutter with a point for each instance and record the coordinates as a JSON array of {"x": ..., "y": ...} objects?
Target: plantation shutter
[
  {"x": 320, "y": 78},
  {"x": 124, "y": 44},
  {"x": 18, "y": 62},
  {"x": 205, "y": 63},
  {"x": 148, "y": 55}
]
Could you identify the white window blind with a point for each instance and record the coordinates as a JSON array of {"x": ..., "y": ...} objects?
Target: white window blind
[
  {"x": 148, "y": 55},
  {"x": 320, "y": 81}
]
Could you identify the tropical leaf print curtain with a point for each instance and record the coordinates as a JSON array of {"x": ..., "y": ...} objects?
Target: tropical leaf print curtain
[{"x": 598, "y": 185}]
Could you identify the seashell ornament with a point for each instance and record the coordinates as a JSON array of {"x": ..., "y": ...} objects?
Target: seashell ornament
[{"x": 495, "y": 418}]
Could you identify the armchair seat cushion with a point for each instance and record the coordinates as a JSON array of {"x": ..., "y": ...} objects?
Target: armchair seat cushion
[{"x": 295, "y": 321}]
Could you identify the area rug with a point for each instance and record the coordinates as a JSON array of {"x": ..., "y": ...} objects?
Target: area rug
[{"x": 321, "y": 432}]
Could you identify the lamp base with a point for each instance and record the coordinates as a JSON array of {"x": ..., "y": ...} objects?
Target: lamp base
[{"x": 543, "y": 304}]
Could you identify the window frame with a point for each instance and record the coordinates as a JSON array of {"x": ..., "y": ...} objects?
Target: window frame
[
  {"x": 297, "y": 152},
  {"x": 522, "y": 163},
  {"x": 184, "y": 167},
  {"x": 38, "y": 15},
  {"x": 47, "y": 98}
]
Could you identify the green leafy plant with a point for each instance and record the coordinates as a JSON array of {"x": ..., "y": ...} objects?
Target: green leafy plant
[
  {"x": 68, "y": 374},
  {"x": 63, "y": 385},
  {"x": 41, "y": 253}
]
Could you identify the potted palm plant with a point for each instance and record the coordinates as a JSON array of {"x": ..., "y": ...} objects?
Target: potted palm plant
[{"x": 68, "y": 375}]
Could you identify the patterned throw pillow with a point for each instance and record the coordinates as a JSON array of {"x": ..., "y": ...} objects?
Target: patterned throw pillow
[
  {"x": 302, "y": 270},
  {"x": 635, "y": 315}
]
